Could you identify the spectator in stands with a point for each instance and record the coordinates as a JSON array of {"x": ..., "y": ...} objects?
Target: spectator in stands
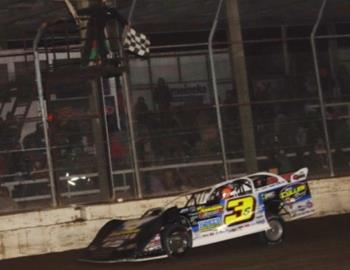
[
  {"x": 301, "y": 144},
  {"x": 162, "y": 98},
  {"x": 34, "y": 160},
  {"x": 262, "y": 90},
  {"x": 327, "y": 82},
  {"x": 230, "y": 118},
  {"x": 141, "y": 111},
  {"x": 172, "y": 180},
  {"x": 230, "y": 111},
  {"x": 118, "y": 150},
  {"x": 280, "y": 123},
  {"x": 163, "y": 182},
  {"x": 162, "y": 95},
  {"x": 284, "y": 164},
  {"x": 11, "y": 133},
  {"x": 6, "y": 202},
  {"x": 153, "y": 183},
  {"x": 271, "y": 163},
  {"x": 171, "y": 139},
  {"x": 35, "y": 139},
  {"x": 344, "y": 81},
  {"x": 310, "y": 86},
  {"x": 341, "y": 141},
  {"x": 321, "y": 153},
  {"x": 209, "y": 143}
]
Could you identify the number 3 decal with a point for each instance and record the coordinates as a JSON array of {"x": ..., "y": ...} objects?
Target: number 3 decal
[{"x": 242, "y": 210}]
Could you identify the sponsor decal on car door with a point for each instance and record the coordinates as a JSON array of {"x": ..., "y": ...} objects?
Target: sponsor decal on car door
[{"x": 297, "y": 201}]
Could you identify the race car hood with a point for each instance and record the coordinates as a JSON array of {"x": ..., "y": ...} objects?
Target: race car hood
[
  {"x": 120, "y": 239},
  {"x": 126, "y": 232}
]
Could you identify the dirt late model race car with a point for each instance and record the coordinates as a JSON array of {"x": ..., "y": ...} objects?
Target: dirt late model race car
[{"x": 253, "y": 204}]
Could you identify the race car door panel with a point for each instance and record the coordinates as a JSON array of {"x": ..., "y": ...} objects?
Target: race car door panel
[
  {"x": 239, "y": 215},
  {"x": 296, "y": 200}
]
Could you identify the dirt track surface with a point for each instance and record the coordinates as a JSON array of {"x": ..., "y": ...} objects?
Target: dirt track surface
[{"x": 314, "y": 244}]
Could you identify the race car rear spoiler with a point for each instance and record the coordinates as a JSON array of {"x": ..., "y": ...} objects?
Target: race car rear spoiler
[{"x": 299, "y": 175}]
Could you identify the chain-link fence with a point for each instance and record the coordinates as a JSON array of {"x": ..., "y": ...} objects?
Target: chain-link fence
[{"x": 177, "y": 139}]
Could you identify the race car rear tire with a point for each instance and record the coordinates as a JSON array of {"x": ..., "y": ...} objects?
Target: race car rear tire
[
  {"x": 276, "y": 233},
  {"x": 176, "y": 240}
]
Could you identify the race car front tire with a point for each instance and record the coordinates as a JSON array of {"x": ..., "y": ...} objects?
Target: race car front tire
[
  {"x": 276, "y": 233},
  {"x": 176, "y": 240}
]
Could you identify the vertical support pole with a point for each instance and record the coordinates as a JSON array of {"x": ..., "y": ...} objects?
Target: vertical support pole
[
  {"x": 100, "y": 137},
  {"x": 126, "y": 85},
  {"x": 319, "y": 87},
  {"x": 108, "y": 142},
  {"x": 43, "y": 110},
  {"x": 131, "y": 11},
  {"x": 96, "y": 103},
  {"x": 240, "y": 75},
  {"x": 215, "y": 88}
]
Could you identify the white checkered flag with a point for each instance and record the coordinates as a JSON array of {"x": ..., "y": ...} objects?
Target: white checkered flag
[{"x": 136, "y": 43}]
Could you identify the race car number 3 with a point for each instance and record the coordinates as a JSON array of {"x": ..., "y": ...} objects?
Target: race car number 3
[{"x": 241, "y": 210}]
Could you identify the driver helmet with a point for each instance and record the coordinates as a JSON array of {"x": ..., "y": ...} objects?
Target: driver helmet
[{"x": 226, "y": 192}]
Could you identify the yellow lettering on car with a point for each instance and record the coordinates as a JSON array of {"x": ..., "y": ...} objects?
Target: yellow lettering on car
[
  {"x": 124, "y": 232},
  {"x": 292, "y": 191},
  {"x": 209, "y": 209},
  {"x": 242, "y": 210}
]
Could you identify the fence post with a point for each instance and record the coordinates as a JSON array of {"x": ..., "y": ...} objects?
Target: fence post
[{"x": 319, "y": 87}]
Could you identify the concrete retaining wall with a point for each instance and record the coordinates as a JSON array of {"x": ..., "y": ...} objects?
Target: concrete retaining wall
[
  {"x": 72, "y": 228},
  {"x": 331, "y": 196}
]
